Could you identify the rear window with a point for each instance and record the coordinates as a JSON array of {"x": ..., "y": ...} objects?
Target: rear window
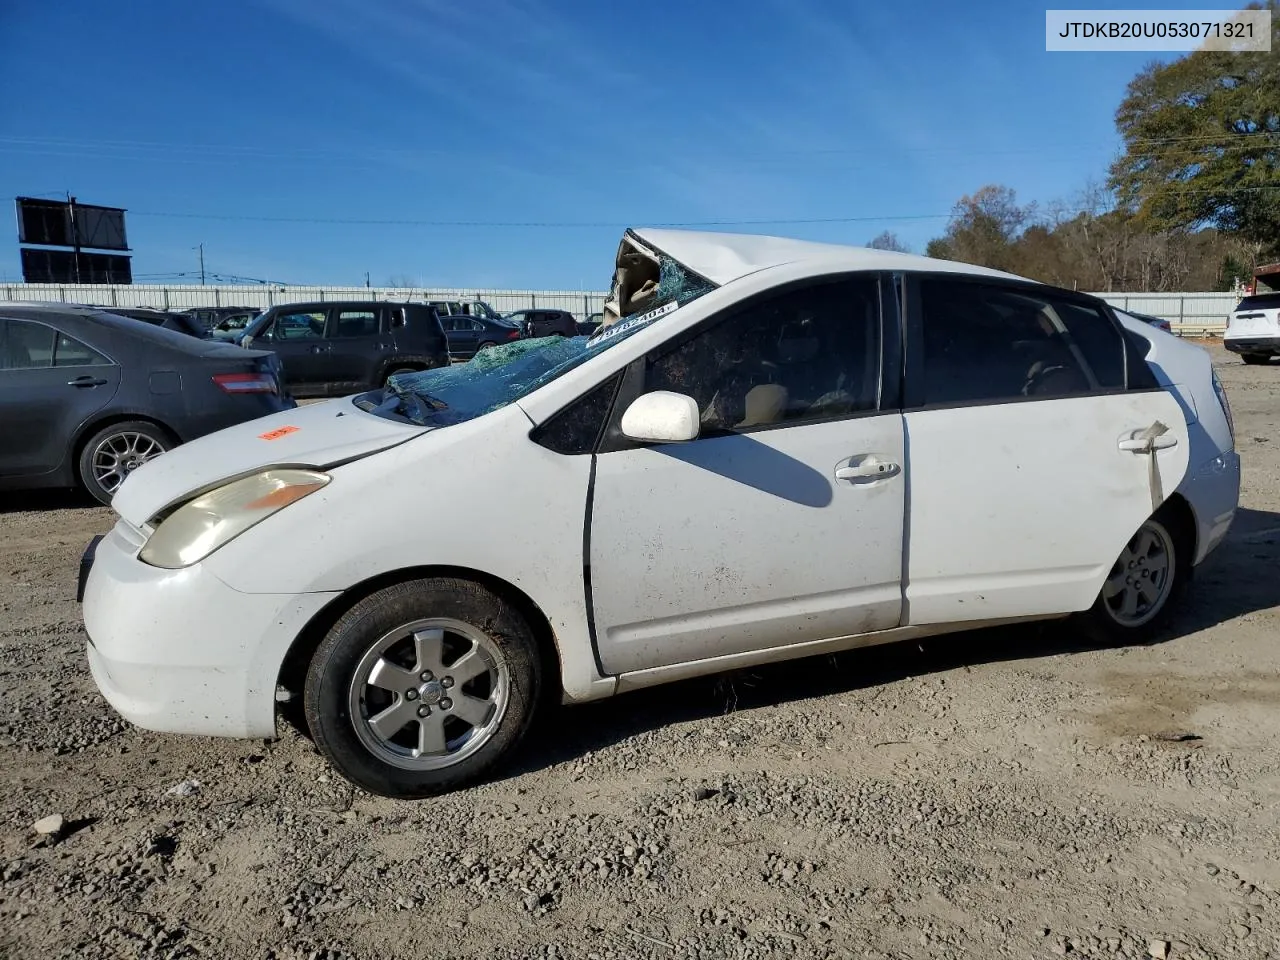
[{"x": 1260, "y": 301}]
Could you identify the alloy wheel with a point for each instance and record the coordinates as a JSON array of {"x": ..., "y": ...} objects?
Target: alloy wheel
[
  {"x": 119, "y": 454},
  {"x": 1142, "y": 578},
  {"x": 429, "y": 694}
]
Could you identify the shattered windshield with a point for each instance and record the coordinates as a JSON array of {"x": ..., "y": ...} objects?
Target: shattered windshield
[{"x": 502, "y": 375}]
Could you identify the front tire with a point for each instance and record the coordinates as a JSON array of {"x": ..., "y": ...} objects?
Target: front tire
[
  {"x": 1141, "y": 588},
  {"x": 423, "y": 687},
  {"x": 114, "y": 452},
  {"x": 1255, "y": 357}
]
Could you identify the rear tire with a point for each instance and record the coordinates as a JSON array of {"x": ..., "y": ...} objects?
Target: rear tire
[
  {"x": 423, "y": 687},
  {"x": 1143, "y": 585},
  {"x": 487, "y": 345},
  {"x": 114, "y": 452},
  {"x": 1255, "y": 357}
]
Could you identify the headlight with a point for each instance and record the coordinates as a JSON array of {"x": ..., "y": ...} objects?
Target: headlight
[
  {"x": 209, "y": 521},
  {"x": 1226, "y": 405}
]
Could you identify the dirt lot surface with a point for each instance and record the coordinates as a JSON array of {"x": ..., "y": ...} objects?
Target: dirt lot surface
[{"x": 1005, "y": 793}]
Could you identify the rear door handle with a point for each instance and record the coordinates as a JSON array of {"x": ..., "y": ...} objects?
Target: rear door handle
[
  {"x": 87, "y": 382},
  {"x": 1141, "y": 444},
  {"x": 319, "y": 348},
  {"x": 868, "y": 469}
]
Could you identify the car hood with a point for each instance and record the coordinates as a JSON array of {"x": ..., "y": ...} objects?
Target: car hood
[{"x": 317, "y": 435}]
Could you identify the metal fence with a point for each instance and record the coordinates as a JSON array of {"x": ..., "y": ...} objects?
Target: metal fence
[
  {"x": 1191, "y": 314},
  {"x": 580, "y": 303}
]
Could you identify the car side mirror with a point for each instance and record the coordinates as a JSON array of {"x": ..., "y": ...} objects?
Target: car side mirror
[{"x": 661, "y": 417}]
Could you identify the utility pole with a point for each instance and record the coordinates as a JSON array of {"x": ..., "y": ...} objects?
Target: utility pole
[
  {"x": 75, "y": 232},
  {"x": 366, "y": 279},
  {"x": 201, "y": 249}
]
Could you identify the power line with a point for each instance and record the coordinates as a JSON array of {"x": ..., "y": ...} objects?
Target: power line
[
  {"x": 342, "y": 221},
  {"x": 151, "y": 151},
  {"x": 569, "y": 224}
]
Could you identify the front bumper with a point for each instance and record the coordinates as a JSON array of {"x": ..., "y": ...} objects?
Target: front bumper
[
  {"x": 1252, "y": 344},
  {"x": 179, "y": 651}
]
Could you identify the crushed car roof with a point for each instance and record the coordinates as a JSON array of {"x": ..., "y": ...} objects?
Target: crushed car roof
[{"x": 722, "y": 257}]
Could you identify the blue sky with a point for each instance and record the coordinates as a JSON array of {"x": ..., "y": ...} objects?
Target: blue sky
[{"x": 199, "y": 117}]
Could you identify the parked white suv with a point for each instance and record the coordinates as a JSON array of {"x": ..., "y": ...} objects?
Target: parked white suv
[
  {"x": 780, "y": 449},
  {"x": 1254, "y": 328}
]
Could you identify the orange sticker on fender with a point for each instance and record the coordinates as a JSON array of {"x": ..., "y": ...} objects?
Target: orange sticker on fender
[{"x": 278, "y": 433}]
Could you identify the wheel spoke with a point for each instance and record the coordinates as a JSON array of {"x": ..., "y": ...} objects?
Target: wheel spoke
[
  {"x": 428, "y": 647},
  {"x": 471, "y": 709},
  {"x": 391, "y": 720},
  {"x": 1129, "y": 603},
  {"x": 1146, "y": 590},
  {"x": 1146, "y": 540},
  {"x": 431, "y": 734},
  {"x": 1113, "y": 586},
  {"x": 470, "y": 665},
  {"x": 388, "y": 676}
]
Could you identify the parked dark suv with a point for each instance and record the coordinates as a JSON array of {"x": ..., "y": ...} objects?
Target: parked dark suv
[
  {"x": 544, "y": 323},
  {"x": 334, "y": 349}
]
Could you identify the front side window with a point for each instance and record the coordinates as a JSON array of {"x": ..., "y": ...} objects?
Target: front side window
[
  {"x": 300, "y": 326},
  {"x": 27, "y": 346},
  {"x": 807, "y": 353},
  {"x": 987, "y": 342},
  {"x": 577, "y": 428}
]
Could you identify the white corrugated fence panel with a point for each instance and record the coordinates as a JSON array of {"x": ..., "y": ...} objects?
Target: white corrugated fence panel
[
  {"x": 1193, "y": 314},
  {"x": 578, "y": 302}
]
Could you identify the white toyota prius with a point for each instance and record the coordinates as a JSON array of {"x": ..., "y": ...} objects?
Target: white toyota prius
[{"x": 771, "y": 449}]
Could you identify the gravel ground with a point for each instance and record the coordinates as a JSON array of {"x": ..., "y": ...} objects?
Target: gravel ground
[{"x": 999, "y": 793}]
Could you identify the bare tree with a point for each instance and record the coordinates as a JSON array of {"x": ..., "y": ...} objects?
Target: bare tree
[{"x": 888, "y": 240}]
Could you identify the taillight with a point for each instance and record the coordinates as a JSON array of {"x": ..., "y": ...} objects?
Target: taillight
[
  {"x": 1221, "y": 391},
  {"x": 513, "y": 335},
  {"x": 246, "y": 382}
]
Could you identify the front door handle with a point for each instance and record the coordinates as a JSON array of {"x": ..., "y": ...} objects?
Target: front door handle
[
  {"x": 318, "y": 348},
  {"x": 87, "y": 382},
  {"x": 867, "y": 469}
]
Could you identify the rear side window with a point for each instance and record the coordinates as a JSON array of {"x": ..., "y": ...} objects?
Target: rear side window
[
  {"x": 354, "y": 323},
  {"x": 27, "y": 346},
  {"x": 70, "y": 352},
  {"x": 984, "y": 342}
]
